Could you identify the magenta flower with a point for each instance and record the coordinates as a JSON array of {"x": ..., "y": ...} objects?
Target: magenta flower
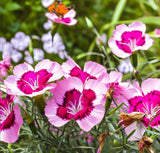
[
  {"x": 74, "y": 100},
  {"x": 10, "y": 120},
  {"x": 92, "y": 70},
  {"x": 145, "y": 100},
  {"x": 128, "y": 39},
  {"x": 27, "y": 81},
  {"x": 5, "y": 65},
  {"x": 68, "y": 18}
]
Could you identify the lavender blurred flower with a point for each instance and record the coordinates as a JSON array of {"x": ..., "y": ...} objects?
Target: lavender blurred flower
[
  {"x": 2, "y": 42},
  {"x": 54, "y": 45},
  {"x": 14, "y": 54},
  {"x": 48, "y": 25},
  {"x": 101, "y": 39},
  {"x": 63, "y": 54},
  {"x": 28, "y": 58},
  {"x": 20, "y": 41},
  {"x": 38, "y": 55},
  {"x": 125, "y": 66}
]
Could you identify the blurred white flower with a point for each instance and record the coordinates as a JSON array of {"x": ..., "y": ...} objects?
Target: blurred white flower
[
  {"x": 125, "y": 66},
  {"x": 20, "y": 41},
  {"x": 48, "y": 25},
  {"x": 54, "y": 45},
  {"x": 37, "y": 53},
  {"x": 28, "y": 58},
  {"x": 101, "y": 39},
  {"x": 2, "y": 42},
  {"x": 14, "y": 54},
  {"x": 47, "y": 3},
  {"x": 63, "y": 54}
]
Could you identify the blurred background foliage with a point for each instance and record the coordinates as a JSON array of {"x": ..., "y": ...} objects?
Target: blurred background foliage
[{"x": 29, "y": 15}]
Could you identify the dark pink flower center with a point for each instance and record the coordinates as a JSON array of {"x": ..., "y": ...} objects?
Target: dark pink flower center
[
  {"x": 148, "y": 104},
  {"x": 130, "y": 40},
  {"x": 33, "y": 81},
  {"x": 67, "y": 20},
  {"x": 7, "y": 116},
  {"x": 77, "y": 72},
  {"x": 77, "y": 105}
]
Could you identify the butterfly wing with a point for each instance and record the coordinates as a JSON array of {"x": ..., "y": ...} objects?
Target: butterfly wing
[
  {"x": 61, "y": 9},
  {"x": 52, "y": 7}
]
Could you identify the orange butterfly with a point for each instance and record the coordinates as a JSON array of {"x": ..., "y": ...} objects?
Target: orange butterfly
[{"x": 59, "y": 8}]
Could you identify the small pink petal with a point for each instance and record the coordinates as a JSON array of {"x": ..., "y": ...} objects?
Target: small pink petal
[
  {"x": 150, "y": 85},
  {"x": 20, "y": 69}
]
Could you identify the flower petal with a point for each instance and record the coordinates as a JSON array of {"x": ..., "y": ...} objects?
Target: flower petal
[
  {"x": 150, "y": 85},
  {"x": 10, "y": 135}
]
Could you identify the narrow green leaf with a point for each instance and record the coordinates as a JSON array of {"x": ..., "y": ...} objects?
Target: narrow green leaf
[
  {"x": 153, "y": 132},
  {"x": 155, "y": 20},
  {"x": 89, "y": 54},
  {"x": 117, "y": 13},
  {"x": 115, "y": 109},
  {"x": 128, "y": 136}
]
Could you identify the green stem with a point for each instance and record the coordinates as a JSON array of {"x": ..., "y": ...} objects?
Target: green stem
[
  {"x": 103, "y": 48},
  {"x": 10, "y": 148},
  {"x": 31, "y": 123},
  {"x": 40, "y": 103},
  {"x": 134, "y": 59},
  {"x": 138, "y": 77}
]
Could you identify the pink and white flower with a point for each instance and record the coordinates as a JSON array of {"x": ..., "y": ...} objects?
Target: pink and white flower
[
  {"x": 146, "y": 100},
  {"x": 5, "y": 65},
  {"x": 68, "y": 18},
  {"x": 92, "y": 70},
  {"x": 116, "y": 88},
  {"x": 10, "y": 120},
  {"x": 128, "y": 39},
  {"x": 74, "y": 100},
  {"x": 27, "y": 81}
]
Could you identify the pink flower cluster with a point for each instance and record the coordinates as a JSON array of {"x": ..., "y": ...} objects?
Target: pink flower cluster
[{"x": 81, "y": 94}]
